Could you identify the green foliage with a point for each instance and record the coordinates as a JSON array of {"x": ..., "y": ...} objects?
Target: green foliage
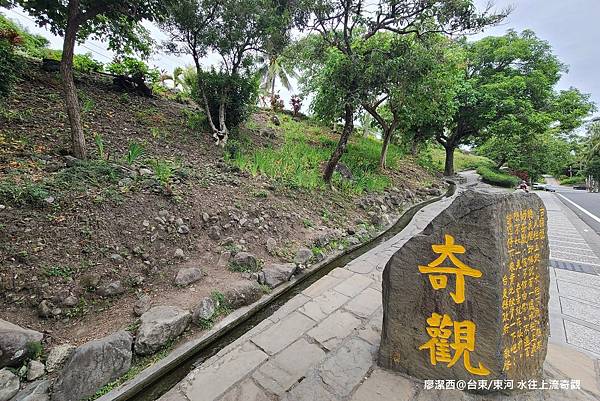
[
  {"x": 237, "y": 92},
  {"x": 97, "y": 173},
  {"x": 29, "y": 44},
  {"x": 298, "y": 162},
  {"x": 8, "y": 61},
  {"x": 196, "y": 121},
  {"x": 163, "y": 170},
  {"x": 498, "y": 178},
  {"x": 35, "y": 350},
  {"x": 23, "y": 192},
  {"x": 433, "y": 157},
  {"x": 575, "y": 180},
  {"x": 133, "y": 68},
  {"x": 58, "y": 271},
  {"x": 134, "y": 151},
  {"x": 84, "y": 63},
  {"x": 99, "y": 141}
]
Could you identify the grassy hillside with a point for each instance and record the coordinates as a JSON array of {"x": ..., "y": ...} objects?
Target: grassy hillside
[
  {"x": 462, "y": 160},
  {"x": 153, "y": 190}
]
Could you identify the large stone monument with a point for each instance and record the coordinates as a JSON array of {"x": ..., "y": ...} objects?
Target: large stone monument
[{"x": 467, "y": 299}]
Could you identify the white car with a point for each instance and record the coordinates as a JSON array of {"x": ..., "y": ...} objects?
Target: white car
[{"x": 538, "y": 186}]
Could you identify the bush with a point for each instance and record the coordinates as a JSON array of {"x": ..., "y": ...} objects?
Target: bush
[
  {"x": 30, "y": 44},
  {"x": 133, "y": 68},
  {"x": 572, "y": 180},
  {"x": 83, "y": 63},
  {"x": 498, "y": 178},
  {"x": 8, "y": 61},
  {"x": 240, "y": 93},
  {"x": 22, "y": 193}
]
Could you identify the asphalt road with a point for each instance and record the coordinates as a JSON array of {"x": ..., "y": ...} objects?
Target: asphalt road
[{"x": 585, "y": 204}]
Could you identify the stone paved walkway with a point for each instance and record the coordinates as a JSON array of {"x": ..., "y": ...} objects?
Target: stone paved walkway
[{"x": 322, "y": 344}]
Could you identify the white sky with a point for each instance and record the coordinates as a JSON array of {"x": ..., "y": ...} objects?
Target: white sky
[{"x": 570, "y": 26}]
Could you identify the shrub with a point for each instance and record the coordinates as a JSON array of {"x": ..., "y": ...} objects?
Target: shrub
[
  {"x": 88, "y": 173},
  {"x": 134, "y": 151},
  {"x": 572, "y": 180},
  {"x": 239, "y": 92},
  {"x": 84, "y": 63},
  {"x": 133, "y": 68},
  {"x": 8, "y": 61},
  {"x": 23, "y": 193},
  {"x": 163, "y": 169},
  {"x": 196, "y": 121},
  {"x": 498, "y": 178}
]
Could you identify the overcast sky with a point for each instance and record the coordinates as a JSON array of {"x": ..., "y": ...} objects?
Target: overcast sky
[{"x": 572, "y": 27}]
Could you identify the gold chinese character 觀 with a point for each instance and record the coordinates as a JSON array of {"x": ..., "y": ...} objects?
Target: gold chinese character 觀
[
  {"x": 441, "y": 329},
  {"x": 438, "y": 274}
]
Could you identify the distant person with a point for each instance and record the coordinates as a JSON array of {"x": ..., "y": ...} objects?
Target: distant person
[{"x": 523, "y": 186}]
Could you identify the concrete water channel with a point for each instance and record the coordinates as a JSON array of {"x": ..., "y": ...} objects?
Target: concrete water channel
[{"x": 156, "y": 380}]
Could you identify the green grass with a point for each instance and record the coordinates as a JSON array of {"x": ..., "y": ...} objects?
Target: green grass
[
  {"x": 497, "y": 178},
  {"x": 462, "y": 161},
  {"x": 299, "y": 161},
  {"x": 23, "y": 192}
]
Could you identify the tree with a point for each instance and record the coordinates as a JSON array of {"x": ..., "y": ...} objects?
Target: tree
[
  {"x": 272, "y": 68},
  {"x": 506, "y": 90},
  {"x": 342, "y": 23},
  {"x": 76, "y": 20},
  {"x": 236, "y": 31}
]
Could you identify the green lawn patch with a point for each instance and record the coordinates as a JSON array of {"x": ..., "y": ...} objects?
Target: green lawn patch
[{"x": 497, "y": 178}]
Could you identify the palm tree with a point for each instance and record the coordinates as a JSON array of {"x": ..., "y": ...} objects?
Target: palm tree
[{"x": 271, "y": 69}]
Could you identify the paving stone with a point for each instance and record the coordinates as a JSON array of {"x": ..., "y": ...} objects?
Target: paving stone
[
  {"x": 289, "y": 307},
  {"x": 362, "y": 267},
  {"x": 347, "y": 366},
  {"x": 341, "y": 273},
  {"x": 578, "y": 278},
  {"x": 208, "y": 383},
  {"x": 322, "y": 306},
  {"x": 365, "y": 303},
  {"x": 578, "y": 291},
  {"x": 320, "y": 286},
  {"x": 279, "y": 373},
  {"x": 580, "y": 310},
  {"x": 352, "y": 286},
  {"x": 582, "y": 336},
  {"x": 371, "y": 331},
  {"x": 247, "y": 391},
  {"x": 283, "y": 333},
  {"x": 566, "y": 362},
  {"x": 331, "y": 331},
  {"x": 310, "y": 389},
  {"x": 385, "y": 386}
]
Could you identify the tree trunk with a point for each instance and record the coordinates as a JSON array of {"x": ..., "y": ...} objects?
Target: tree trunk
[
  {"x": 341, "y": 146},
  {"x": 414, "y": 148},
  {"x": 387, "y": 136},
  {"x": 70, "y": 92},
  {"x": 449, "y": 165}
]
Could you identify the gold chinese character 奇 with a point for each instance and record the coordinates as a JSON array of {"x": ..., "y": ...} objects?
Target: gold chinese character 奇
[
  {"x": 438, "y": 274},
  {"x": 441, "y": 329}
]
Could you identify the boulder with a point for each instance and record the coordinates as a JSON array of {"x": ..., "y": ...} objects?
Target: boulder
[
  {"x": 58, "y": 356},
  {"x": 9, "y": 384},
  {"x": 111, "y": 289},
  {"x": 276, "y": 274},
  {"x": 93, "y": 365},
  {"x": 204, "y": 310},
  {"x": 142, "y": 305},
  {"x": 271, "y": 246},
  {"x": 36, "y": 391},
  {"x": 303, "y": 256},
  {"x": 214, "y": 233},
  {"x": 14, "y": 341},
  {"x": 245, "y": 261},
  {"x": 242, "y": 294},
  {"x": 160, "y": 325},
  {"x": 35, "y": 370},
  {"x": 187, "y": 276},
  {"x": 467, "y": 298}
]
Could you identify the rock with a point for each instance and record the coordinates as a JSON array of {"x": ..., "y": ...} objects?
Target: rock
[
  {"x": 204, "y": 310},
  {"x": 111, "y": 289},
  {"x": 303, "y": 256},
  {"x": 36, "y": 391},
  {"x": 35, "y": 370},
  {"x": 276, "y": 274},
  {"x": 71, "y": 161},
  {"x": 344, "y": 171},
  {"x": 271, "y": 245},
  {"x": 9, "y": 384},
  {"x": 58, "y": 356},
  {"x": 434, "y": 192},
  {"x": 187, "y": 276},
  {"x": 183, "y": 229},
  {"x": 380, "y": 219},
  {"x": 89, "y": 281},
  {"x": 14, "y": 343},
  {"x": 70, "y": 301},
  {"x": 242, "y": 294},
  {"x": 227, "y": 241},
  {"x": 496, "y": 244},
  {"x": 142, "y": 305},
  {"x": 224, "y": 259},
  {"x": 163, "y": 214},
  {"x": 214, "y": 233},
  {"x": 45, "y": 309},
  {"x": 145, "y": 172},
  {"x": 179, "y": 254},
  {"x": 179, "y": 222},
  {"x": 116, "y": 258},
  {"x": 246, "y": 261},
  {"x": 205, "y": 217},
  {"x": 160, "y": 325},
  {"x": 93, "y": 365},
  {"x": 275, "y": 120}
]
